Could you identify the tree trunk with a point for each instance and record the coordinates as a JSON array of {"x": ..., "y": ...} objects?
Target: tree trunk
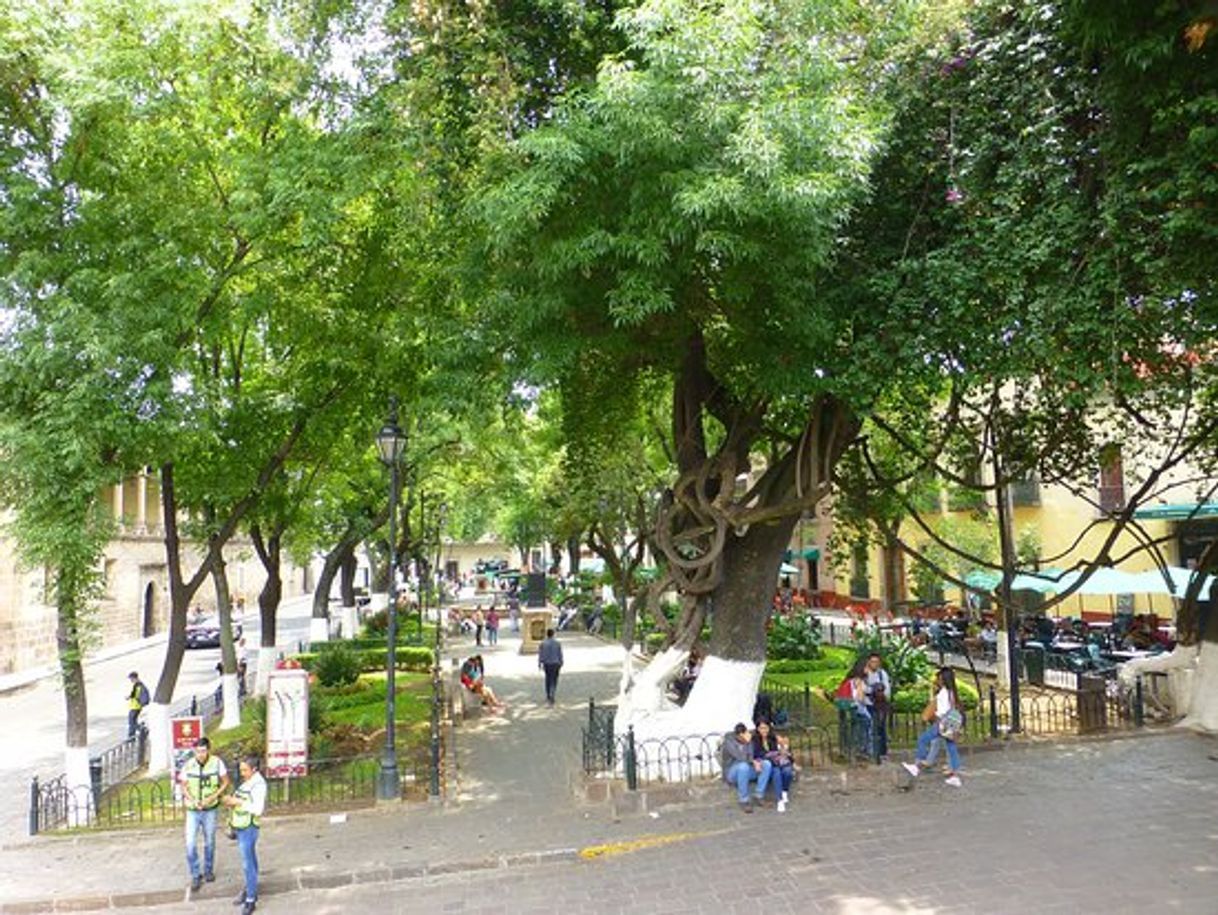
[
  {"x": 268, "y": 603},
  {"x": 76, "y": 707},
  {"x": 573, "y": 552},
  {"x": 348, "y": 566},
  {"x": 228, "y": 654}
]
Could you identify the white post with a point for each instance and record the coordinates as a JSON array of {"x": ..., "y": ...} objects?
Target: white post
[
  {"x": 319, "y": 629},
  {"x": 266, "y": 663},
  {"x": 350, "y": 618},
  {"x": 79, "y": 785}
]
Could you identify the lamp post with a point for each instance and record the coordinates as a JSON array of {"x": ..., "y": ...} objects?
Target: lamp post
[
  {"x": 390, "y": 443},
  {"x": 436, "y": 697}
]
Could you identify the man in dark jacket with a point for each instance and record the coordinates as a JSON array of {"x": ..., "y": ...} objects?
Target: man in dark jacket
[{"x": 549, "y": 659}]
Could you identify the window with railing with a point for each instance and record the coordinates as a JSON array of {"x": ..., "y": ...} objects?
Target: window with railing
[{"x": 1112, "y": 482}]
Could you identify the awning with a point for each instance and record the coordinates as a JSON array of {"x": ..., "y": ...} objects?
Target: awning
[
  {"x": 812, "y": 555},
  {"x": 1179, "y": 511}
]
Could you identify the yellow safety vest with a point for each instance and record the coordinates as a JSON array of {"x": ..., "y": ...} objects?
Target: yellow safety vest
[
  {"x": 241, "y": 819},
  {"x": 133, "y": 701},
  {"x": 201, "y": 781}
]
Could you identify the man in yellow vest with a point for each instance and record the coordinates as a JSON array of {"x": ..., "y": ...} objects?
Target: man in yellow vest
[
  {"x": 136, "y": 700},
  {"x": 203, "y": 778},
  {"x": 248, "y": 803}
]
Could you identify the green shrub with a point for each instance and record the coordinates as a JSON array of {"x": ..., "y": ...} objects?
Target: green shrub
[
  {"x": 906, "y": 663},
  {"x": 337, "y": 665},
  {"x": 794, "y": 638},
  {"x": 791, "y": 666},
  {"x": 371, "y": 660},
  {"x": 914, "y": 699}
]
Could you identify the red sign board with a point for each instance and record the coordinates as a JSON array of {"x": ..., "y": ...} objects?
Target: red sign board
[{"x": 185, "y": 732}]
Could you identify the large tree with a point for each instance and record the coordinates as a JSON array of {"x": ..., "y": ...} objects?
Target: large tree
[{"x": 677, "y": 219}]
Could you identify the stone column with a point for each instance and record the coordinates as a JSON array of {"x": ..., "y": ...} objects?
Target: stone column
[
  {"x": 141, "y": 514},
  {"x": 118, "y": 502}
]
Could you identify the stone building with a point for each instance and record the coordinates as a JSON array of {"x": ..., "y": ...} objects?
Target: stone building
[{"x": 135, "y": 599}]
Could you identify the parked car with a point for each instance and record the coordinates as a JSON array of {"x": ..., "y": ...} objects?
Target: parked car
[{"x": 204, "y": 632}]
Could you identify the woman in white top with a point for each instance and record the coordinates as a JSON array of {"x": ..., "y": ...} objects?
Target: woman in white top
[{"x": 945, "y": 721}]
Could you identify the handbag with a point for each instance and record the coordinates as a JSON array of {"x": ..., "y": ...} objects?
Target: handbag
[{"x": 951, "y": 724}]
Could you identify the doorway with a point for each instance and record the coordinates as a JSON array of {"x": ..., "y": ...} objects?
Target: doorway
[{"x": 149, "y": 623}]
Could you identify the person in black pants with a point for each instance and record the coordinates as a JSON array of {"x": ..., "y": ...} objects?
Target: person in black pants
[{"x": 549, "y": 659}]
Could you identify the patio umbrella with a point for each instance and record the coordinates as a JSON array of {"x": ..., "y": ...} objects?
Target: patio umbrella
[
  {"x": 1044, "y": 581},
  {"x": 1152, "y": 582},
  {"x": 983, "y": 579},
  {"x": 787, "y": 569}
]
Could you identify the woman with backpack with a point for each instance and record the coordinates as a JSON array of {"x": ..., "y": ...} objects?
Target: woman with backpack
[{"x": 945, "y": 721}]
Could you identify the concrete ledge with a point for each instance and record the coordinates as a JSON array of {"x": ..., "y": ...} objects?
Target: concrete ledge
[{"x": 142, "y": 900}]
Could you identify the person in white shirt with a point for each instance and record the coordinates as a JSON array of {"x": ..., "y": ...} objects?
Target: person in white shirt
[
  {"x": 248, "y": 803},
  {"x": 879, "y": 695},
  {"x": 945, "y": 721}
]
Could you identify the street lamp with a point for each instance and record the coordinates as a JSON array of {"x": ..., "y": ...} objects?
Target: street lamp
[
  {"x": 390, "y": 443},
  {"x": 436, "y": 695}
]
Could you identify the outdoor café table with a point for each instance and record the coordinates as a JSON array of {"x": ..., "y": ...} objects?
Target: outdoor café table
[
  {"x": 1068, "y": 646},
  {"x": 1124, "y": 655}
]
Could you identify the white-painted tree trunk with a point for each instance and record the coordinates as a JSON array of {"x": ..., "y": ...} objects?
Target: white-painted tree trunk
[
  {"x": 79, "y": 784},
  {"x": 319, "y": 630},
  {"x": 157, "y": 715},
  {"x": 1203, "y": 705},
  {"x": 1178, "y": 664},
  {"x": 722, "y": 696},
  {"x": 232, "y": 703},
  {"x": 266, "y": 663},
  {"x": 350, "y": 618}
]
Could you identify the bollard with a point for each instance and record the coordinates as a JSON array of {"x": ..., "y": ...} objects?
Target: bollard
[
  {"x": 632, "y": 774},
  {"x": 33, "y": 826},
  {"x": 1139, "y": 711},
  {"x": 807, "y": 703},
  {"x": 993, "y": 713},
  {"x": 591, "y": 712}
]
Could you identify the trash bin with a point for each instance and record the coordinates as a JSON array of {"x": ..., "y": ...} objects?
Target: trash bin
[
  {"x": 1092, "y": 715},
  {"x": 1034, "y": 664}
]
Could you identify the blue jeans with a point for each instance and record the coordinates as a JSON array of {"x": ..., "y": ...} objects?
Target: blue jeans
[
  {"x": 492, "y": 635},
  {"x": 927, "y": 751},
  {"x": 862, "y": 730},
  {"x": 195, "y": 819},
  {"x": 781, "y": 777},
  {"x": 741, "y": 773},
  {"x": 247, "y": 844}
]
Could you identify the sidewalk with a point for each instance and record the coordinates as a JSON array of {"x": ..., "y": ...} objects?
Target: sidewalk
[{"x": 512, "y": 806}]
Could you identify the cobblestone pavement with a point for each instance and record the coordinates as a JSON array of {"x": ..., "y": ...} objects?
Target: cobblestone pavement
[{"x": 1104, "y": 826}]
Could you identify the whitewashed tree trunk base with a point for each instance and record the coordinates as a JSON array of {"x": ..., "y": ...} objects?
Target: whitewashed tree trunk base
[
  {"x": 79, "y": 783},
  {"x": 350, "y": 618},
  {"x": 319, "y": 630},
  {"x": 232, "y": 704},
  {"x": 1179, "y": 665},
  {"x": 158, "y": 738},
  {"x": 1203, "y": 705},
  {"x": 266, "y": 663},
  {"x": 722, "y": 696}
]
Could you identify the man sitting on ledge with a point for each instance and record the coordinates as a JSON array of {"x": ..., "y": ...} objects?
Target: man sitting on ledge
[{"x": 740, "y": 768}]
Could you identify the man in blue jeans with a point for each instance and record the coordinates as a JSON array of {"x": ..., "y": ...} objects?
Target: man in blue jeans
[
  {"x": 740, "y": 768},
  {"x": 203, "y": 778}
]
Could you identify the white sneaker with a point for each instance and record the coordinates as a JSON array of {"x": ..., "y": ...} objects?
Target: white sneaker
[
  {"x": 911, "y": 768},
  {"x": 954, "y": 781},
  {"x": 782, "y": 805},
  {"x": 784, "y": 797}
]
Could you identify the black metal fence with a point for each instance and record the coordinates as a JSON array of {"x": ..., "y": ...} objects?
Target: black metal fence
[
  {"x": 1096, "y": 707},
  {"x": 331, "y": 784}
]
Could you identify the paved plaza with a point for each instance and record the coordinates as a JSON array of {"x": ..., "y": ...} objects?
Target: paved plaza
[{"x": 1128, "y": 825}]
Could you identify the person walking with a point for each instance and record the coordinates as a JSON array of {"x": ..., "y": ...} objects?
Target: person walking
[
  {"x": 204, "y": 779},
  {"x": 137, "y": 698},
  {"x": 549, "y": 659},
  {"x": 945, "y": 721},
  {"x": 492, "y": 627},
  {"x": 479, "y": 624},
  {"x": 248, "y": 803}
]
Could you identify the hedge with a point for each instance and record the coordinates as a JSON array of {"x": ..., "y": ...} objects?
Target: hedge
[{"x": 410, "y": 657}]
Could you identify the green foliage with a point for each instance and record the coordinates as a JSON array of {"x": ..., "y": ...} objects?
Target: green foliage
[
  {"x": 337, "y": 666},
  {"x": 372, "y": 660},
  {"x": 796, "y": 637},
  {"x": 914, "y": 698}
]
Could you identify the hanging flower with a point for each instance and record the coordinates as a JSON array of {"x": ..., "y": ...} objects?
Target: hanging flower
[{"x": 954, "y": 195}]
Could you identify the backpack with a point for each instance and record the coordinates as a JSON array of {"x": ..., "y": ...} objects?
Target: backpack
[{"x": 843, "y": 696}]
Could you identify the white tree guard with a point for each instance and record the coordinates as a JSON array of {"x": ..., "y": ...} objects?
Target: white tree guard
[
  {"x": 1203, "y": 707},
  {"x": 266, "y": 663},
  {"x": 232, "y": 702},
  {"x": 158, "y": 738},
  {"x": 722, "y": 696},
  {"x": 350, "y": 618},
  {"x": 319, "y": 630},
  {"x": 79, "y": 783}
]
